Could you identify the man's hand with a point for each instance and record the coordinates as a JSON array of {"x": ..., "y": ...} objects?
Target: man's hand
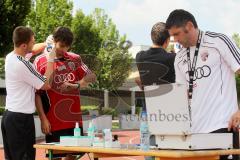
[
  {"x": 90, "y": 78},
  {"x": 66, "y": 87},
  {"x": 51, "y": 55},
  {"x": 51, "y": 50},
  {"x": 234, "y": 121},
  {"x": 45, "y": 126},
  {"x": 139, "y": 83}
]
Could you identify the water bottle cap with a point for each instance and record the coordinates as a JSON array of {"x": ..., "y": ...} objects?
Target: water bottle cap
[
  {"x": 77, "y": 125},
  {"x": 90, "y": 125},
  {"x": 144, "y": 113},
  {"x": 106, "y": 130}
]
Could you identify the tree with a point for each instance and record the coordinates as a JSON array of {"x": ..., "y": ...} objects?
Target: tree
[
  {"x": 114, "y": 57},
  {"x": 87, "y": 41},
  {"x": 46, "y": 15},
  {"x": 12, "y": 14},
  {"x": 170, "y": 48},
  {"x": 108, "y": 30},
  {"x": 115, "y": 68},
  {"x": 102, "y": 48},
  {"x": 2, "y": 72},
  {"x": 236, "y": 38}
]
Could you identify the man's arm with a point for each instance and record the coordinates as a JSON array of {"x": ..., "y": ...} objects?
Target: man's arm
[
  {"x": 48, "y": 75},
  {"x": 234, "y": 122},
  {"x": 84, "y": 82},
  {"x": 86, "y": 77},
  {"x": 49, "y": 71},
  {"x": 139, "y": 83},
  {"x": 45, "y": 125},
  {"x": 231, "y": 55},
  {"x": 38, "y": 48}
]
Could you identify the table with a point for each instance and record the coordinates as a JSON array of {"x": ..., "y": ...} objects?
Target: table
[{"x": 158, "y": 154}]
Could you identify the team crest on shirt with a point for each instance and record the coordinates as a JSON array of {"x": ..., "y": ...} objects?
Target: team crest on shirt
[
  {"x": 62, "y": 67},
  {"x": 204, "y": 56},
  {"x": 71, "y": 66}
]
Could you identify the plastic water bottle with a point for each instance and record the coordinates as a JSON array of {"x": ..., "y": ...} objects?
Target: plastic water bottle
[
  {"x": 144, "y": 132},
  {"x": 49, "y": 48},
  {"x": 94, "y": 122},
  {"x": 91, "y": 129},
  {"x": 77, "y": 130},
  {"x": 50, "y": 44},
  {"x": 107, "y": 135}
]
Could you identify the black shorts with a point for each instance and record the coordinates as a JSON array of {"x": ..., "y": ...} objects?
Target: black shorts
[
  {"x": 55, "y": 137},
  {"x": 18, "y": 133}
]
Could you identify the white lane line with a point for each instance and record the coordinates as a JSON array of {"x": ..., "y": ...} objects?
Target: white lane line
[
  {"x": 131, "y": 140},
  {"x": 129, "y": 158}
]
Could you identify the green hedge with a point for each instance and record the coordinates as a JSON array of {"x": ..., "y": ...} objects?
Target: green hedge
[
  {"x": 104, "y": 111},
  {"x": 2, "y": 62},
  {"x": 1, "y": 110}
]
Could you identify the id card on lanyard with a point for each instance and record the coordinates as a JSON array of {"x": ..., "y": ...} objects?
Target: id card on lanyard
[{"x": 191, "y": 71}]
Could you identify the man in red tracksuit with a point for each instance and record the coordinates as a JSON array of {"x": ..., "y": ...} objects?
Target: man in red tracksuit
[{"x": 59, "y": 108}]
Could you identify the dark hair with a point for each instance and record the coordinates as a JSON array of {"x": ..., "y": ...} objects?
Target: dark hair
[
  {"x": 159, "y": 34},
  {"x": 179, "y": 18},
  {"x": 22, "y": 35},
  {"x": 64, "y": 35}
]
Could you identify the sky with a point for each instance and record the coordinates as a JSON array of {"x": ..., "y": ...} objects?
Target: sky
[{"x": 135, "y": 18}]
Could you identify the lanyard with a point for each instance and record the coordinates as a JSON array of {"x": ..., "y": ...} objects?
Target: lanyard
[{"x": 191, "y": 71}]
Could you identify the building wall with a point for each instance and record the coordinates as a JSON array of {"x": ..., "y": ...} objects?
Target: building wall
[{"x": 135, "y": 49}]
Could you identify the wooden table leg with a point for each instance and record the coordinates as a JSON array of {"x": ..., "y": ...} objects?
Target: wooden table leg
[{"x": 93, "y": 156}]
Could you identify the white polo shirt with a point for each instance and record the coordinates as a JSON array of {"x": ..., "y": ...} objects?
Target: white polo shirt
[
  {"x": 21, "y": 80},
  {"x": 214, "y": 98}
]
